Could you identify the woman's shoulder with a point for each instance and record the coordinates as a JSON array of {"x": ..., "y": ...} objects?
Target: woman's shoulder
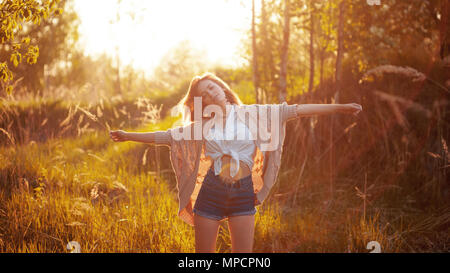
[
  {"x": 263, "y": 104},
  {"x": 256, "y": 106},
  {"x": 285, "y": 110}
]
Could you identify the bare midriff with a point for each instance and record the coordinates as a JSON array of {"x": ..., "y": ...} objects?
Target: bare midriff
[{"x": 243, "y": 171}]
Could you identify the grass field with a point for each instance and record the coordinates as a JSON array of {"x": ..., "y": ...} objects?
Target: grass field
[{"x": 121, "y": 197}]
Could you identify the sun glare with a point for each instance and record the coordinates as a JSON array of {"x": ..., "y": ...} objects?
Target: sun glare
[{"x": 143, "y": 31}]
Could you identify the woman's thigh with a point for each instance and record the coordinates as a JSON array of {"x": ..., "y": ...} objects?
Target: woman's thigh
[
  {"x": 242, "y": 231},
  {"x": 206, "y": 231}
]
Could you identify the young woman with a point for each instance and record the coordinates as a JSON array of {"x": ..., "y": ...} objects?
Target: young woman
[{"x": 221, "y": 176}]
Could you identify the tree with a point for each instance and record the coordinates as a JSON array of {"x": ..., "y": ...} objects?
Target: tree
[
  {"x": 340, "y": 50},
  {"x": 255, "y": 55},
  {"x": 392, "y": 33},
  {"x": 444, "y": 32},
  {"x": 311, "y": 47},
  {"x": 56, "y": 38},
  {"x": 338, "y": 79},
  {"x": 267, "y": 53},
  {"x": 324, "y": 36},
  {"x": 16, "y": 16},
  {"x": 284, "y": 52}
]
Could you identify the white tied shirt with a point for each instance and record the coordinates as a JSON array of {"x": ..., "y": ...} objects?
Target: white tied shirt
[{"x": 235, "y": 140}]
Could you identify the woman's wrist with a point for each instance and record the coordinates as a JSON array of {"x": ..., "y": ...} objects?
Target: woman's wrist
[
  {"x": 342, "y": 108},
  {"x": 127, "y": 136}
]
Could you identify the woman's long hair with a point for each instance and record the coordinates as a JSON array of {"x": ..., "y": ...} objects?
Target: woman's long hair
[{"x": 187, "y": 103}]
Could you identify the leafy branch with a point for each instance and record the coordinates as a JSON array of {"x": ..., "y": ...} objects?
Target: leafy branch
[{"x": 13, "y": 14}]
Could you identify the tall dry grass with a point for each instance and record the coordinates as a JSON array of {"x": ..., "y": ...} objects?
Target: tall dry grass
[
  {"x": 85, "y": 190},
  {"x": 383, "y": 174},
  {"x": 43, "y": 119},
  {"x": 390, "y": 183}
]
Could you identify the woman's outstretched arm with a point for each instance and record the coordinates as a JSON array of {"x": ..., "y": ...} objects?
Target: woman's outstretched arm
[
  {"x": 157, "y": 137},
  {"x": 324, "y": 109},
  {"x": 304, "y": 110}
]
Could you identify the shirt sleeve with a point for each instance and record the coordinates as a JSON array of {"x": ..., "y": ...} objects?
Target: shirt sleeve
[{"x": 163, "y": 137}]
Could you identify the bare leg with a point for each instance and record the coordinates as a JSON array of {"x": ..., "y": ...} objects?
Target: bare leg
[
  {"x": 242, "y": 231},
  {"x": 206, "y": 231}
]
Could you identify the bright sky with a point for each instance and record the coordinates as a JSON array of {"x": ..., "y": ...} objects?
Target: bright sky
[{"x": 214, "y": 26}]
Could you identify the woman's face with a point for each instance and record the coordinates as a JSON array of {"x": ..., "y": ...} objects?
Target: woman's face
[{"x": 211, "y": 93}]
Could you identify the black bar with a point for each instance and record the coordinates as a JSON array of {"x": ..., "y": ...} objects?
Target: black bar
[{"x": 227, "y": 262}]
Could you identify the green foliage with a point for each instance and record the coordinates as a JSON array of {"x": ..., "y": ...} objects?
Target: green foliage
[
  {"x": 378, "y": 35},
  {"x": 15, "y": 17},
  {"x": 395, "y": 32}
]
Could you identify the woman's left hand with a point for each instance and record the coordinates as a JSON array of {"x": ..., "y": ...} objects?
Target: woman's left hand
[{"x": 352, "y": 108}]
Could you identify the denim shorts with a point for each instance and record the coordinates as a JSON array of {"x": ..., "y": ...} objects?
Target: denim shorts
[{"x": 218, "y": 200}]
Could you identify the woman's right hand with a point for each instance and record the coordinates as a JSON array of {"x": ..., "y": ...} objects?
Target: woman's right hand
[{"x": 118, "y": 136}]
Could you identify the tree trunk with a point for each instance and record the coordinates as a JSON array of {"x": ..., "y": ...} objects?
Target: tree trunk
[
  {"x": 322, "y": 57},
  {"x": 338, "y": 78},
  {"x": 284, "y": 53},
  {"x": 444, "y": 30},
  {"x": 312, "y": 137},
  {"x": 264, "y": 48},
  {"x": 323, "y": 47},
  {"x": 311, "y": 49},
  {"x": 255, "y": 56},
  {"x": 338, "y": 75},
  {"x": 265, "y": 53}
]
